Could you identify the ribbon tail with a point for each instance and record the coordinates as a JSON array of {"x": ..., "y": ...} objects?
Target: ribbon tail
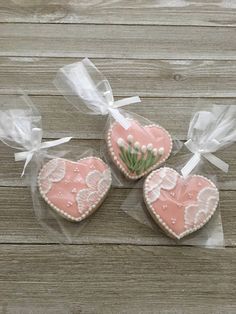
[
  {"x": 55, "y": 142},
  {"x": 28, "y": 159},
  {"x": 219, "y": 163},
  {"x": 126, "y": 101},
  {"x": 191, "y": 164},
  {"x": 27, "y": 156},
  {"x": 120, "y": 118}
]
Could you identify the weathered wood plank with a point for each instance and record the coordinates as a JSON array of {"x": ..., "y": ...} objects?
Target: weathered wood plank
[
  {"x": 117, "y": 41},
  {"x": 11, "y": 175},
  {"x": 115, "y": 278},
  {"x": 10, "y": 171},
  {"x": 147, "y": 78},
  {"x": 149, "y": 12},
  {"x": 108, "y": 225},
  {"x": 60, "y": 118},
  {"x": 118, "y": 279}
]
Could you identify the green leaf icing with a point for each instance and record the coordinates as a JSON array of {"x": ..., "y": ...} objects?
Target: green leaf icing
[{"x": 136, "y": 160}]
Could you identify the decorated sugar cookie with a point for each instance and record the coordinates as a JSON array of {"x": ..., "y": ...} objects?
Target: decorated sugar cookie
[
  {"x": 180, "y": 205},
  {"x": 74, "y": 189},
  {"x": 139, "y": 149}
]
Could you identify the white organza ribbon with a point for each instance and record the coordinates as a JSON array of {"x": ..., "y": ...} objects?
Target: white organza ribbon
[
  {"x": 198, "y": 154},
  {"x": 112, "y": 109},
  {"x": 208, "y": 132},
  {"x": 37, "y": 145}
]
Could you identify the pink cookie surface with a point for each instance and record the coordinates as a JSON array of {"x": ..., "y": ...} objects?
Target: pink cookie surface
[
  {"x": 180, "y": 205},
  {"x": 139, "y": 149},
  {"x": 74, "y": 189}
]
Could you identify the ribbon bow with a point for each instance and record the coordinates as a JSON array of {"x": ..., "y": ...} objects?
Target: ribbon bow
[
  {"x": 37, "y": 145},
  {"x": 112, "y": 107},
  {"x": 208, "y": 132},
  {"x": 198, "y": 154}
]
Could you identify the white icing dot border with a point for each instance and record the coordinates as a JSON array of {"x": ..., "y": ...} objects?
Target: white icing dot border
[
  {"x": 159, "y": 220},
  {"x": 120, "y": 166},
  {"x": 91, "y": 208}
]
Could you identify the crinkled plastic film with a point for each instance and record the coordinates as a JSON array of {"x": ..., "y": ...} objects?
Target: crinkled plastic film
[
  {"x": 55, "y": 172},
  {"x": 183, "y": 196},
  {"x": 149, "y": 142},
  {"x": 133, "y": 145}
]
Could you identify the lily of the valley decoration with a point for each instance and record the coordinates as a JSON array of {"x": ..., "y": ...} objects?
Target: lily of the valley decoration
[
  {"x": 137, "y": 158},
  {"x": 139, "y": 149}
]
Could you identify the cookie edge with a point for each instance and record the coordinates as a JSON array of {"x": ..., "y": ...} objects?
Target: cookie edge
[
  {"x": 158, "y": 219},
  {"x": 60, "y": 212}
]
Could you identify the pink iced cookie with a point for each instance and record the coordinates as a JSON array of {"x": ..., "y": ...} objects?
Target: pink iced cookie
[
  {"x": 74, "y": 189},
  {"x": 139, "y": 149},
  {"x": 180, "y": 205}
]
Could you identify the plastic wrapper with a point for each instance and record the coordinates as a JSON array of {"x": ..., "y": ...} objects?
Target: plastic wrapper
[
  {"x": 66, "y": 187},
  {"x": 134, "y": 146},
  {"x": 181, "y": 201}
]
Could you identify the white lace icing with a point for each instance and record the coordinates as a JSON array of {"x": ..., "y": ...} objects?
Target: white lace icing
[
  {"x": 98, "y": 183},
  {"x": 165, "y": 179},
  {"x": 53, "y": 171},
  {"x": 93, "y": 196},
  {"x": 196, "y": 214},
  {"x": 48, "y": 169},
  {"x": 93, "y": 178}
]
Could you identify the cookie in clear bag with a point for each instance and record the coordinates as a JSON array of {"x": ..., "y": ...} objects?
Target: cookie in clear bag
[
  {"x": 180, "y": 205},
  {"x": 74, "y": 189},
  {"x": 136, "y": 146},
  {"x": 183, "y": 204}
]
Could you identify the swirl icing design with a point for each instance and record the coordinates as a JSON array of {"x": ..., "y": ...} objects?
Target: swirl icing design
[
  {"x": 180, "y": 205},
  {"x": 74, "y": 189}
]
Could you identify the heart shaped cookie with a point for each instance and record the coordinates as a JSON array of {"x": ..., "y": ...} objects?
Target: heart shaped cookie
[
  {"x": 139, "y": 149},
  {"x": 180, "y": 205},
  {"x": 74, "y": 189}
]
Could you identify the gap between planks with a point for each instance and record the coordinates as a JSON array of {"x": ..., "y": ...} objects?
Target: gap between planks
[
  {"x": 10, "y": 170},
  {"x": 151, "y": 12},
  {"x": 108, "y": 225},
  {"x": 108, "y": 278},
  {"x": 146, "y": 78}
]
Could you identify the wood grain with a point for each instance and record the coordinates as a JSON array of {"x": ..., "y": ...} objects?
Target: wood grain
[
  {"x": 117, "y": 41},
  {"x": 145, "y": 12},
  {"x": 10, "y": 171},
  {"x": 110, "y": 224},
  {"x": 146, "y": 78},
  {"x": 60, "y": 118},
  {"x": 117, "y": 279},
  {"x": 179, "y": 56}
]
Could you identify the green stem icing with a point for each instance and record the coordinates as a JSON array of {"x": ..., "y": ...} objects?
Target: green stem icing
[
  {"x": 130, "y": 156},
  {"x": 123, "y": 156},
  {"x": 137, "y": 162}
]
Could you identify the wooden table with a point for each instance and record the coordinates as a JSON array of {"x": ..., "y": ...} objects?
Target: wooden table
[{"x": 178, "y": 56}]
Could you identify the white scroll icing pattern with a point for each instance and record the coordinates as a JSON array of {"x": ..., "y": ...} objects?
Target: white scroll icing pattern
[
  {"x": 196, "y": 214},
  {"x": 54, "y": 172},
  {"x": 164, "y": 179},
  {"x": 98, "y": 184}
]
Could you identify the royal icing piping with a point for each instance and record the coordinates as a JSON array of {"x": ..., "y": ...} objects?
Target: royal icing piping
[
  {"x": 97, "y": 183},
  {"x": 74, "y": 189},
  {"x": 181, "y": 206},
  {"x": 139, "y": 149},
  {"x": 55, "y": 172}
]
